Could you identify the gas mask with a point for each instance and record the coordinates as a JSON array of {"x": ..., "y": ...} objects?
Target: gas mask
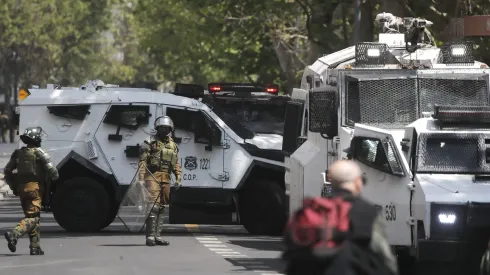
[{"x": 163, "y": 132}]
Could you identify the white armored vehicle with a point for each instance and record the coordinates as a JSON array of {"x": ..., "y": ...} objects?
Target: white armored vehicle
[
  {"x": 428, "y": 176},
  {"x": 93, "y": 134}
]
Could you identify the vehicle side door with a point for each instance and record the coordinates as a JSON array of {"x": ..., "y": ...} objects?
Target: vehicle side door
[
  {"x": 387, "y": 179},
  {"x": 124, "y": 128},
  {"x": 200, "y": 151}
]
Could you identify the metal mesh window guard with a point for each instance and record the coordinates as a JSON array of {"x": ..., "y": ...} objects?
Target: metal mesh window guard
[
  {"x": 462, "y": 92},
  {"x": 452, "y": 153},
  {"x": 384, "y": 102},
  {"x": 396, "y": 102},
  {"x": 321, "y": 102}
]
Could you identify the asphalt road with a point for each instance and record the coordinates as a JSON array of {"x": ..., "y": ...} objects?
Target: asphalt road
[{"x": 202, "y": 250}]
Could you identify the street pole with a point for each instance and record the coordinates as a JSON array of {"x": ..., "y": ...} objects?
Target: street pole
[
  {"x": 357, "y": 24},
  {"x": 14, "y": 93}
]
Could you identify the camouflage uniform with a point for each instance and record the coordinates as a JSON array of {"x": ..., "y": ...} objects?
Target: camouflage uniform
[
  {"x": 158, "y": 159},
  {"x": 379, "y": 245},
  {"x": 34, "y": 171}
]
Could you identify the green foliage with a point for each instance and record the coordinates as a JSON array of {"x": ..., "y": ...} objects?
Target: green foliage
[{"x": 166, "y": 41}]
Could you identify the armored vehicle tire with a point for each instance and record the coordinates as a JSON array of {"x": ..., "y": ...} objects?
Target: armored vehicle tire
[
  {"x": 263, "y": 208},
  {"x": 81, "y": 205},
  {"x": 111, "y": 217}
]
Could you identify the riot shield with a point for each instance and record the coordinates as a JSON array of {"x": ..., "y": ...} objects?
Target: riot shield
[{"x": 135, "y": 205}]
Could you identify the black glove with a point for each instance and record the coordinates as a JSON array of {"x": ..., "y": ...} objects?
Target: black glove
[{"x": 47, "y": 202}]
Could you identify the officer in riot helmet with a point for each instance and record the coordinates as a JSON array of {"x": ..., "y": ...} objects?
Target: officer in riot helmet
[
  {"x": 158, "y": 160},
  {"x": 34, "y": 173}
]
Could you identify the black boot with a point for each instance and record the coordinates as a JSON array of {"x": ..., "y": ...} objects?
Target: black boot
[
  {"x": 150, "y": 230},
  {"x": 35, "y": 238},
  {"x": 159, "y": 227},
  {"x": 37, "y": 251},
  {"x": 11, "y": 240}
]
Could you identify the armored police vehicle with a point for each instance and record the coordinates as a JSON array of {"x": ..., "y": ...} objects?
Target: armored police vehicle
[
  {"x": 257, "y": 108},
  {"x": 94, "y": 132},
  {"x": 373, "y": 101}
]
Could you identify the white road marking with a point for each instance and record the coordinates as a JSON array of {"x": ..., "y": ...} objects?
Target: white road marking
[
  {"x": 215, "y": 245},
  {"x": 221, "y": 249},
  {"x": 207, "y": 242},
  {"x": 227, "y": 252},
  {"x": 206, "y": 239}
]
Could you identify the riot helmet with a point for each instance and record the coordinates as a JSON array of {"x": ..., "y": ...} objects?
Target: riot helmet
[
  {"x": 32, "y": 136},
  {"x": 164, "y": 126}
]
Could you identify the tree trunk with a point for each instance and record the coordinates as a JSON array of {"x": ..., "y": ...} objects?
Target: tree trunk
[
  {"x": 367, "y": 22},
  {"x": 287, "y": 61}
]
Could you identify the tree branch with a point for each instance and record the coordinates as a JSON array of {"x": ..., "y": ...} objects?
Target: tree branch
[
  {"x": 407, "y": 8},
  {"x": 308, "y": 22}
]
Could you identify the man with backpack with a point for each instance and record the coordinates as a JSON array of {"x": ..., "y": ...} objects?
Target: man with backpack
[{"x": 342, "y": 234}]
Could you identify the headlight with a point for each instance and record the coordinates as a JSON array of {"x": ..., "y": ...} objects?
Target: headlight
[
  {"x": 447, "y": 221},
  {"x": 446, "y": 218},
  {"x": 373, "y": 52},
  {"x": 458, "y": 51}
]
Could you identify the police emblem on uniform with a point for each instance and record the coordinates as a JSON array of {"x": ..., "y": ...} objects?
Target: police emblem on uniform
[{"x": 190, "y": 163}]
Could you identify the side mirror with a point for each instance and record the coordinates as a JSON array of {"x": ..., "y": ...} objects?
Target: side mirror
[
  {"x": 323, "y": 108},
  {"x": 354, "y": 147},
  {"x": 293, "y": 119}
]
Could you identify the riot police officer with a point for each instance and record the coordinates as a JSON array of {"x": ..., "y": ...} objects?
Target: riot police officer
[
  {"x": 34, "y": 172},
  {"x": 158, "y": 160}
]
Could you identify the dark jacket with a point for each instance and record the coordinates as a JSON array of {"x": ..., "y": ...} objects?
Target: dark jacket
[
  {"x": 367, "y": 235},
  {"x": 365, "y": 217}
]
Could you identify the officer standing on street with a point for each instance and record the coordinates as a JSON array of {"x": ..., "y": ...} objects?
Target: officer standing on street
[
  {"x": 158, "y": 160},
  {"x": 34, "y": 172}
]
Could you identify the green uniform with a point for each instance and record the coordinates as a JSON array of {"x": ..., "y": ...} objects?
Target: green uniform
[
  {"x": 34, "y": 171},
  {"x": 158, "y": 160}
]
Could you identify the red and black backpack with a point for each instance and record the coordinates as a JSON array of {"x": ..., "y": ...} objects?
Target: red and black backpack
[
  {"x": 322, "y": 232},
  {"x": 319, "y": 227}
]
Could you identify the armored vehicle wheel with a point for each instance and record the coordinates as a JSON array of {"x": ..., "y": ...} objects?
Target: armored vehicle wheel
[
  {"x": 262, "y": 207},
  {"x": 111, "y": 217},
  {"x": 81, "y": 205}
]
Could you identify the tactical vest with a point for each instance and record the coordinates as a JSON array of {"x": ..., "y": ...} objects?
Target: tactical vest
[
  {"x": 162, "y": 156},
  {"x": 28, "y": 169}
]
